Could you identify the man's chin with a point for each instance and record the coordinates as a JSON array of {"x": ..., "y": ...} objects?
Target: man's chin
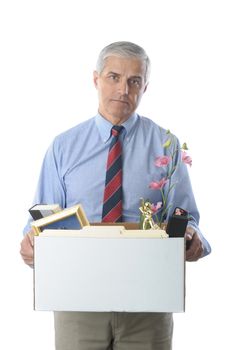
[
  {"x": 120, "y": 111},
  {"x": 120, "y": 116},
  {"x": 116, "y": 115}
]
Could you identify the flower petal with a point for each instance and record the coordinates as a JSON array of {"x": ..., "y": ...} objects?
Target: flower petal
[
  {"x": 186, "y": 159},
  {"x": 162, "y": 161}
]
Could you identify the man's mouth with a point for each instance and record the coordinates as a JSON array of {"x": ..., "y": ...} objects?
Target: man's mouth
[{"x": 120, "y": 101}]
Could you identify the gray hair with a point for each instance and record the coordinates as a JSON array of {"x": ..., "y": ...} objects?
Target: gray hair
[{"x": 124, "y": 49}]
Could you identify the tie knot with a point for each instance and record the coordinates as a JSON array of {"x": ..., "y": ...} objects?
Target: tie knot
[{"x": 116, "y": 129}]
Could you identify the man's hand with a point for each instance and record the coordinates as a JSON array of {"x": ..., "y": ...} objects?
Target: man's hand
[
  {"x": 195, "y": 249},
  {"x": 27, "y": 249}
]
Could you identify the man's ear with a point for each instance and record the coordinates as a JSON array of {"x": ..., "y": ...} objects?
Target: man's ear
[
  {"x": 95, "y": 78},
  {"x": 145, "y": 89}
]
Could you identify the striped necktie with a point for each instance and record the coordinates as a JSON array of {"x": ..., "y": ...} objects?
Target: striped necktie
[{"x": 112, "y": 203}]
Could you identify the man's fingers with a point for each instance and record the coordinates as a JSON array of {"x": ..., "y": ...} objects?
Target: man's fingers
[
  {"x": 26, "y": 255},
  {"x": 30, "y": 236},
  {"x": 195, "y": 250},
  {"x": 27, "y": 251},
  {"x": 188, "y": 236}
]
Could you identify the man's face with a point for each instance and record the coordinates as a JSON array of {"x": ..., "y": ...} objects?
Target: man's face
[{"x": 120, "y": 87}]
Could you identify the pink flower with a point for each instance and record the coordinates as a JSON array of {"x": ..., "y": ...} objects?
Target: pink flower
[
  {"x": 162, "y": 161},
  {"x": 156, "y": 207},
  {"x": 157, "y": 185},
  {"x": 186, "y": 159}
]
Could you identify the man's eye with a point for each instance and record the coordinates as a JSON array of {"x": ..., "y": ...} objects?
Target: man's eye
[
  {"x": 113, "y": 77},
  {"x": 135, "y": 82}
]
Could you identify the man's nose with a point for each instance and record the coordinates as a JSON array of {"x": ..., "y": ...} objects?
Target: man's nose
[{"x": 123, "y": 87}]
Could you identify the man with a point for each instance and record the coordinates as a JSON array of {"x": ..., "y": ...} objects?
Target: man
[{"x": 74, "y": 171}]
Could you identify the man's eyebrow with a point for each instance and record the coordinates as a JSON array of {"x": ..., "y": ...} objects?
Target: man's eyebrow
[
  {"x": 111, "y": 72},
  {"x": 136, "y": 77},
  {"x": 131, "y": 77}
]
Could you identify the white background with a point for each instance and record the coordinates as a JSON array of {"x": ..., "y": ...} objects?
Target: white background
[{"x": 48, "y": 52}]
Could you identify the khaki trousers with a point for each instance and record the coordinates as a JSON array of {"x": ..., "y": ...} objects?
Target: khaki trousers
[{"x": 113, "y": 331}]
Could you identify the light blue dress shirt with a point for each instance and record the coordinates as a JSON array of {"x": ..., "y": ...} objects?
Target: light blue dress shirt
[{"x": 74, "y": 169}]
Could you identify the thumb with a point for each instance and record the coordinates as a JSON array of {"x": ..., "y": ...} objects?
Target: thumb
[
  {"x": 31, "y": 237},
  {"x": 189, "y": 233},
  {"x": 188, "y": 236}
]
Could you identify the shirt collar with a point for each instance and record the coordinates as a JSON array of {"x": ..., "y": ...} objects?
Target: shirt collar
[{"x": 104, "y": 126}]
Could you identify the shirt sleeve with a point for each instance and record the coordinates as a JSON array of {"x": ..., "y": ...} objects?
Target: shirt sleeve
[
  {"x": 182, "y": 196},
  {"x": 50, "y": 188}
]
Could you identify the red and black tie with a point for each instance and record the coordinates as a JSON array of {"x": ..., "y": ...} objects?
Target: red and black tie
[{"x": 112, "y": 203}]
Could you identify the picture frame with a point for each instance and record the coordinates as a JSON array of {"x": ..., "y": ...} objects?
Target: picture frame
[{"x": 68, "y": 218}]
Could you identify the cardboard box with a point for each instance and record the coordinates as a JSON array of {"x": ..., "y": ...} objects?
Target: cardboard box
[{"x": 134, "y": 274}]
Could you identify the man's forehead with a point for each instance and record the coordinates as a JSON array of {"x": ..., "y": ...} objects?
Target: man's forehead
[{"x": 120, "y": 65}]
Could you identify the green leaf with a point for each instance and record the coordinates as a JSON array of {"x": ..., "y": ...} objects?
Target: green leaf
[
  {"x": 184, "y": 146},
  {"x": 167, "y": 143}
]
